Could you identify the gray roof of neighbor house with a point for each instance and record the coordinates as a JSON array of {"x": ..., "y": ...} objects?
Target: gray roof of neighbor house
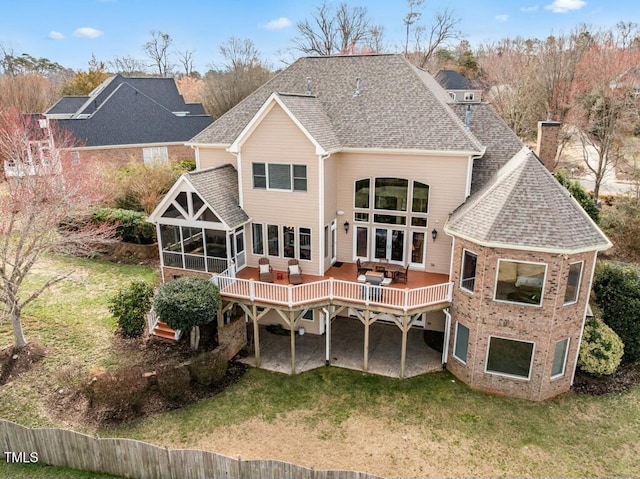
[
  {"x": 368, "y": 101},
  {"x": 219, "y": 187},
  {"x": 526, "y": 207},
  {"x": 452, "y": 80},
  {"x": 125, "y": 111}
]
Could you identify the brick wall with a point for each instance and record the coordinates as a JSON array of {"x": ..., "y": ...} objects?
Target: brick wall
[
  {"x": 543, "y": 325},
  {"x": 122, "y": 156}
]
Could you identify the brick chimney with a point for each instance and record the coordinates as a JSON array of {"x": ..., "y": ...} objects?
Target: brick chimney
[{"x": 548, "y": 134}]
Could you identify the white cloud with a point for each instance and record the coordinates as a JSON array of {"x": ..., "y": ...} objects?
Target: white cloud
[
  {"x": 87, "y": 32},
  {"x": 55, "y": 35},
  {"x": 564, "y": 6},
  {"x": 502, "y": 18},
  {"x": 532, "y": 8},
  {"x": 278, "y": 24}
]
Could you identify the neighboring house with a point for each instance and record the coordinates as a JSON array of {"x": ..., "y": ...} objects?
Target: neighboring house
[
  {"x": 131, "y": 118},
  {"x": 458, "y": 87},
  {"x": 366, "y": 162}
]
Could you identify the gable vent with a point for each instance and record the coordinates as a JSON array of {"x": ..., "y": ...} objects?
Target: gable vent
[
  {"x": 357, "y": 92},
  {"x": 309, "y": 92}
]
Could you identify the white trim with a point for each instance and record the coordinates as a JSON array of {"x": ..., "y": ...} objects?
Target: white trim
[
  {"x": 544, "y": 283},
  {"x": 467, "y": 189},
  {"x": 207, "y": 145},
  {"x": 497, "y": 373},
  {"x": 455, "y": 342},
  {"x": 239, "y": 170},
  {"x": 197, "y": 155},
  {"x": 538, "y": 249},
  {"x": 321, "y": 207},
  {"x": 581, "y": 263},
  {"x": 132, "y": 145},
  {"x": 266, "y": 107},
  {"x": 413, "y": 151},
  {"x": 564, "y": 361},
  {"x": 470, "y": 291},
  {"x": 447, "y": 333}
]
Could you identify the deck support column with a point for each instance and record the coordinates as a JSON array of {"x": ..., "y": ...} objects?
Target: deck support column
[
  {"x": 293, "y": 342},
  {"x": 220, "y": 316},
  {"x": 367, "y": 322},
  {"x": 403, "y": 354},
  {"x": 256, "y": 334}
]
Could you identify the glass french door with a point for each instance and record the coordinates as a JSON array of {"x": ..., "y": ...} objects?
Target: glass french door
[
  {"x": 388, "y": 244},
  {"x": 237, "y": 245}
]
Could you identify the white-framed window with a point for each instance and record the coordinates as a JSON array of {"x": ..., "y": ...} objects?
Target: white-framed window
[
  {"x": 304, "y": 235},
  {"x": 509, "y": 357},
  {"x": 452, "y": 95},
  {"x": 461, "y": 343},
  {"x": 279, "y": 176},
  {"x": 155, "y": 154},
  {"x": 273, "y": 243},
  {"x": 520, "y": 282},
  {"x": 327, "y": 241},
  {"x": 308, "y": 315},
  {"x": 572, "y": 291},
  {"x": 468, "y": 273},
  {"x": 468, "y": 96},
  {"x": 75, "y": 158},
  {"x": 289, "y": 242},
  {"x": 560, "y": 358},
  {"x": 257, "y": 238}
]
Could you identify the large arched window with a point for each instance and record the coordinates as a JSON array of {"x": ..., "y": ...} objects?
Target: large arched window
[{"x": 391, "y": 194}]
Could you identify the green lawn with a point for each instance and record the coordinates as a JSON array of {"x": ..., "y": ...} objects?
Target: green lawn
[
  {"x": 430, "y": 426},
  {"x": 40, "y": 471}
]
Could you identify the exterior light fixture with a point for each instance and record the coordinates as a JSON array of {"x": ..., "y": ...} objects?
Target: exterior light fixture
[
  {"x": 346, "y": 226},
  {"x": 434, "y": 234}
]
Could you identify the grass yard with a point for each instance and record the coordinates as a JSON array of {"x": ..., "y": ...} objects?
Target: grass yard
[
  {"x": 330, "y": 418},
  {"x": 71, "y": 320},
  {"x": 40, "y": 471}
]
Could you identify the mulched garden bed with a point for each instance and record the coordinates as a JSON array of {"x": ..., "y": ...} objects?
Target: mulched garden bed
[
  {"x": 624, "y": 378},
  {"x": 15, "y": 362}
]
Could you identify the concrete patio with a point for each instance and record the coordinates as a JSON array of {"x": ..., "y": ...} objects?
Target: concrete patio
[{"x": 347, "y": 350}]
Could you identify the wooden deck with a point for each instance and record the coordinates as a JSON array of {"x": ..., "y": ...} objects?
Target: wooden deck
[{"x": 423, "y": 291}]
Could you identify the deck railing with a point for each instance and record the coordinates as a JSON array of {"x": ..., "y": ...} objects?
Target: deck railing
[
  {"x": 330, "y": 289},
  {"x": 194, "y": 262}
]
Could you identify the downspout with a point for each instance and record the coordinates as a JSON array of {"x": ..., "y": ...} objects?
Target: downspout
[
  {"x": 321, "y": 191},
  {"x": 447, "y": 334},
  {"x": 239, "y": 170},
  {"x": 197, "y": 150},
  {"x": 472, "y": 158}
]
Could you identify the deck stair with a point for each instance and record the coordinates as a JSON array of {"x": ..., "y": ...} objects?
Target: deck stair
[{"x": 164, "y": 331}]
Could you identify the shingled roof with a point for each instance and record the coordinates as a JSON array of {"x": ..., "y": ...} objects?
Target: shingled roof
[
  {"x": 125, "y": 111},
  {"x": 370, "y": 101},
  {"x": 526, "y": 207},
  {"x": 219, "y": 188}
]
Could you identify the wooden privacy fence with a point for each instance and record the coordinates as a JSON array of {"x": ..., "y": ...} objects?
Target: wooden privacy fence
[{"x": 135, "y": 459}]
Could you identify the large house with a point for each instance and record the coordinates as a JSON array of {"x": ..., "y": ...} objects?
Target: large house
[
  {"x": 130, "y": 118},
  {"x": 397, "y": 203}
]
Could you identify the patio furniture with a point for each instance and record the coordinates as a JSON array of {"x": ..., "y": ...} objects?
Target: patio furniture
[
  {"x": 382, "y": 265},
  {"x": 361, "y": 269},
  {"x": 374, "y": 277},
  {"x": 401, "y": 275},
  {"x": 294, "y": 272},
  {"x": 265, "y": 271}
]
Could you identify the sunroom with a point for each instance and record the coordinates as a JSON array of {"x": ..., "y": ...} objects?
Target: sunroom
[{"x": 200, "y": 226}]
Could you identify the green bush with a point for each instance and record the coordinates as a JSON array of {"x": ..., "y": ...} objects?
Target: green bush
[
  {"x": 187, "y": 165},
  {"x": 129, "y": 306},
  {"x": 617, "y": 293},
  {"x": 132, "y": 226},
  {"x": 187, "y": 302},
  {"x": 601, "y": 349},
  {"x": 585, "y": 200}
]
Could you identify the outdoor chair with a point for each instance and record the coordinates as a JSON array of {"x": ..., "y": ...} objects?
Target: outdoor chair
[
  {"x": 361, "y": 269},
  {"x": 402, "y": 275},
  {"x": 266, "y": 274},
  {"x": 382, "y": 265},
  {"x": 294, "y": 272}
]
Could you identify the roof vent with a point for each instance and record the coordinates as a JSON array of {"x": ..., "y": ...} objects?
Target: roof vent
[
  {"x": 467, "y": 117},
  {"x": 357, "y": 93},
  {"x": 309, "y": 86}
]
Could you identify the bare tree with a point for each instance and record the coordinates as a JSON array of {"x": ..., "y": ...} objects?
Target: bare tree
[
  {"x": 241, "y": 72},
  {"x": 186, "y": 60},
  {"x": 128, "y": 65},
  {"x": 427, "y": 40},
  {"x": 375, "y": 40},
  {"x": 412, "y": 16},
  {"x": 33, "y": 206},
  {"x": 627, "y": 35},
  {"x": 158, "y": 49},
  {"x": 329, "y": 32}
]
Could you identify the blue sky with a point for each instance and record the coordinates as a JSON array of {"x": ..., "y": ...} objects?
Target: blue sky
[{"x": 69, "y": 31}]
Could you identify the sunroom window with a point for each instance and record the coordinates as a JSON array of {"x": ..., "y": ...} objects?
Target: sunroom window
[{"x": 520, "y": 282}]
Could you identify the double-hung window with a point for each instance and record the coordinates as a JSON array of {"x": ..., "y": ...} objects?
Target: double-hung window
[{"x": 279, "y": 176}]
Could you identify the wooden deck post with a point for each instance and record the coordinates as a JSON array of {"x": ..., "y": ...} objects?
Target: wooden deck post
[
  {"x": 403, "y": 356},
  {"x": 256, "y": 334},
  {"x": 293, "y": 341},
  {"x": 367, "y": 322},
  {"x": 220, "y": 315}
]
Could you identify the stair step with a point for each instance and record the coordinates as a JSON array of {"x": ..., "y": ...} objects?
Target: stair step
[{"x": 164, "y": 331}]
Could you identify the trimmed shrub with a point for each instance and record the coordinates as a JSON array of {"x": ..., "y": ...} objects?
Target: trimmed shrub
[
  {"x": 173, "y": 381},
  {"x": 617, "y": 293},
  {"x": 129, "y": 306},
  {"x": 587, "y": 201},
  {"x": 208, "y": 368},
  {"x": 601, "y": 349},
  {"x": 131, "y": 226},
  {"x": 187, "y": 302},
  {"x": 119, "y": 393}
]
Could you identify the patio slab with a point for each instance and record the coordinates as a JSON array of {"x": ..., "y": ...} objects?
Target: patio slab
[{"x": 347, "y": 350}]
